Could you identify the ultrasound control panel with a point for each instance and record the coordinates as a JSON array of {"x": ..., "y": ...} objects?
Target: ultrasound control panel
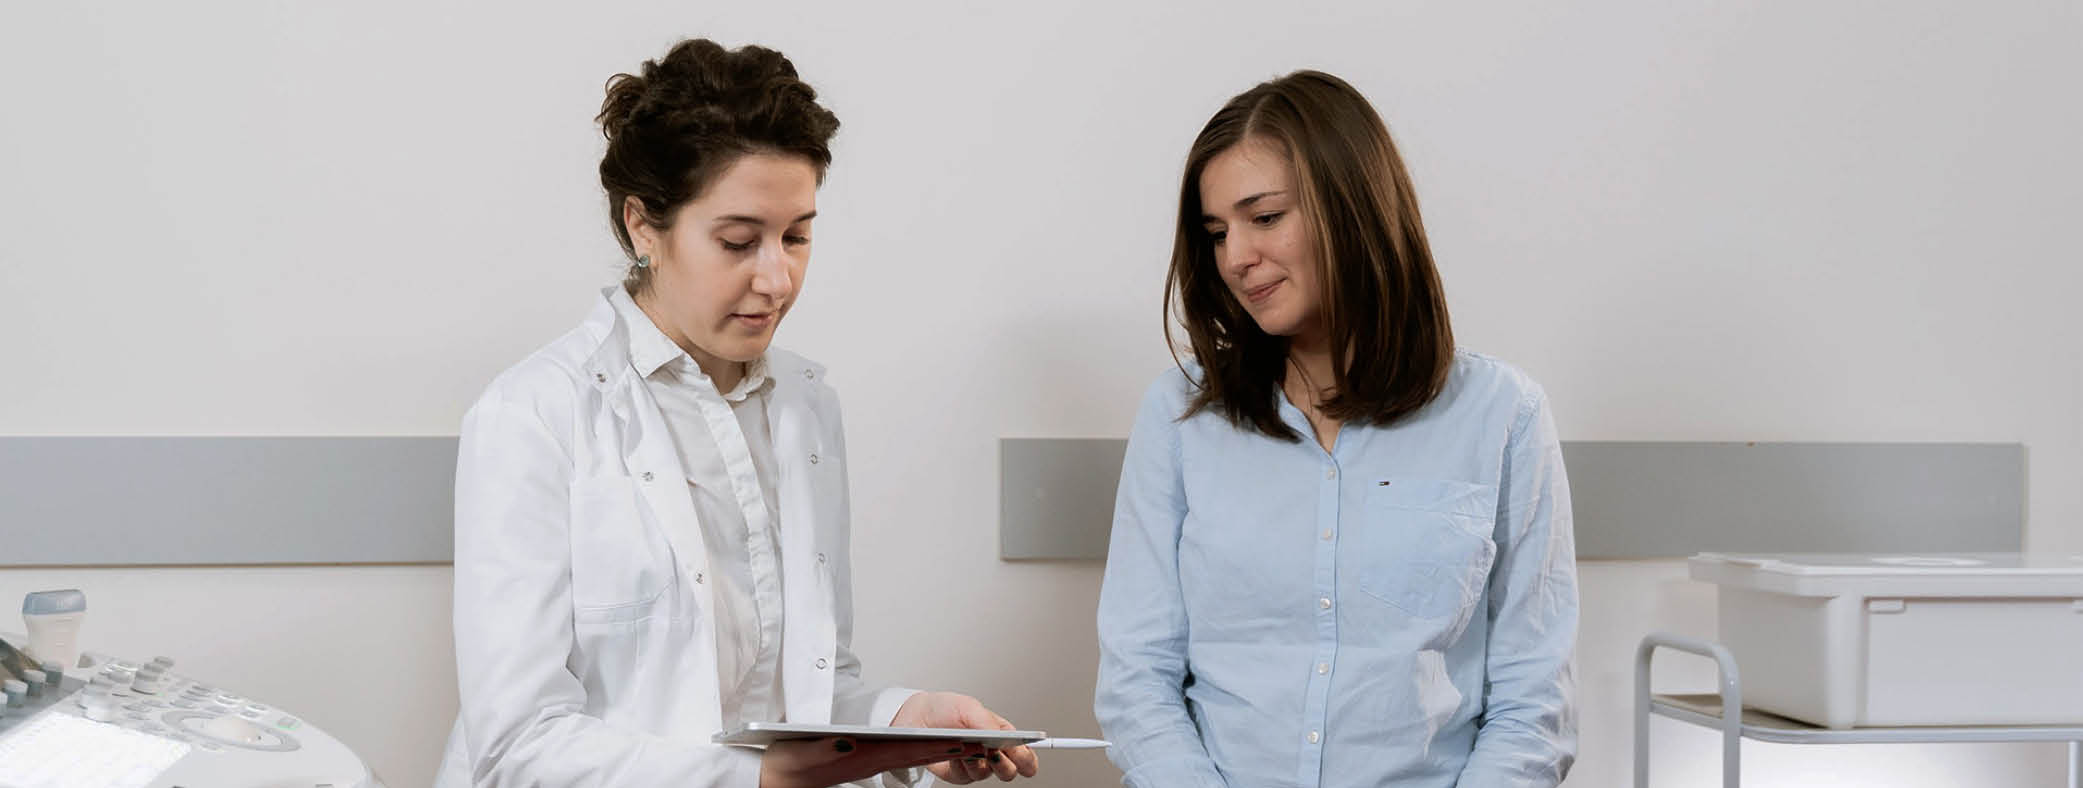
[{"x": 112, "y": 723}]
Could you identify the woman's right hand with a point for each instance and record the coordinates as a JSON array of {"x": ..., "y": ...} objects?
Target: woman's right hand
[{"x": 821, "y": 763}]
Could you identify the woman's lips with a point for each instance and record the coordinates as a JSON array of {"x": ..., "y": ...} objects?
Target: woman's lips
[{"x": 1262, "y": 292}]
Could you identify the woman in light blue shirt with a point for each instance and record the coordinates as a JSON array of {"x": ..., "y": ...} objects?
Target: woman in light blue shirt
[{"x": 1342, "y": 551}]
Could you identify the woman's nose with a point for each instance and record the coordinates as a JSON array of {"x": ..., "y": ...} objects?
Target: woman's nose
[
  {"x": 770, "y": 276},
  {"x": 1237, "y": 254}
]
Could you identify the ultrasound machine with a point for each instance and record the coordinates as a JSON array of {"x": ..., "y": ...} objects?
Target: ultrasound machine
[{"x": 74, "y": 719}]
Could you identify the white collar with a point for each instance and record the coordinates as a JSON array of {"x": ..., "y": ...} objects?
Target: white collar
[{"x": 651, "y": 350}]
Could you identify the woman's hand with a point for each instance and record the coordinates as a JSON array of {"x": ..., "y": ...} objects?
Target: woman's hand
[
  {"x": 950, "y": 710},
  {"x": 820, "y": 763}
]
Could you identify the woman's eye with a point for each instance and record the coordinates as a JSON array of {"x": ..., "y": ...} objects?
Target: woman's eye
[
  {"x": 795, "y": 240},
  {"x": 1216, "y": 236},
  {"x": 735, "y": 247},
  {"x": 1268, "y": 218}
]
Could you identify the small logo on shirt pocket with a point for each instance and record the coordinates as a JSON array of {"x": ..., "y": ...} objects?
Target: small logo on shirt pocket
[{"x": 1424, "y": 548}]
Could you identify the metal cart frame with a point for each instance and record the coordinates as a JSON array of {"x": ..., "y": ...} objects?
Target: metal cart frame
[{"x": 1724, "y": 710}]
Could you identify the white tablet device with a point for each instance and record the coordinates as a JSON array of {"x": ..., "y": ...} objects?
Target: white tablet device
[{"x": 760, "y": 734}]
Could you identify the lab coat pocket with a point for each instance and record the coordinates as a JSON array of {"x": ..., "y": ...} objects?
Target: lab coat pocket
[
  {"x": 620, "y": 564},
  {"x": 1427, "y": 545}
]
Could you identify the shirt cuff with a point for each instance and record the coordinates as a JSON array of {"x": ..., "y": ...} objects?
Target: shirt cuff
[
  {"x": 906, "y": 778},
  {"x": 880, "y": 714},
  {"x": 886, "y": 704},
  {"x": 741, "y": 766}
]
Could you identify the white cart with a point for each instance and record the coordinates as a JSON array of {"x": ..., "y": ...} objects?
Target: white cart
[
  {"x": 1860, "y": 648},
  {"x": 1719, "y": 711}
]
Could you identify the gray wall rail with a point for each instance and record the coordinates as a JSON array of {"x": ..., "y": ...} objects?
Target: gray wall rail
[
  {"x": 1635, "y": 499},
  {"x": 225, "y": 500},
  {"x": 348, "y": 500}
]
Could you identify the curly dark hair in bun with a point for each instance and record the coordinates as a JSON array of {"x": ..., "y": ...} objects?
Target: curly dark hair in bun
[{"x": 672, "y": 128}]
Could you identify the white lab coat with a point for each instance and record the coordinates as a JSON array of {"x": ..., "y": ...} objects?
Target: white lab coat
[{"x": 585, "y": 640}]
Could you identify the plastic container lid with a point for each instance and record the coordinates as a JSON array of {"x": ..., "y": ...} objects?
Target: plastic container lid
[
  {"x": 1897, "y": 574},
  {"x": 68, "y": 600}
]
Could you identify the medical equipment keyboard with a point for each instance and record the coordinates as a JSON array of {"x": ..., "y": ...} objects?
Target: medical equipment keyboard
[{"x": 115, "y": 724}]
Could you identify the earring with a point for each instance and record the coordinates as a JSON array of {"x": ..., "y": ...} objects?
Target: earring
[{"x": 643, "y": 261}]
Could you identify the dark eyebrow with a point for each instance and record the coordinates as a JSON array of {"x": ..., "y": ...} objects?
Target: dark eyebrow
[
  {"x": 1245, "y": 203},
  {"x": 758, "y": 222}
]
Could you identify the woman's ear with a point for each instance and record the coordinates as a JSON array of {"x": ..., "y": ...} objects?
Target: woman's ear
[{"x": 641, "y": 235}]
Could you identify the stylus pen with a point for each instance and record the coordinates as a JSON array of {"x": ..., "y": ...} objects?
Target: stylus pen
[{"x": 1070, "y": 744}]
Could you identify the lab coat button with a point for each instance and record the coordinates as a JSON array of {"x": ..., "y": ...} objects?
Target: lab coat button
[
  {"x": 647, "y": 476},
  {"x": 820, "y": 558},
  {"x": 808, "y": 375},
  {"x": 813, "y": 459},
  {"x": 699, "y": 578},
  {"x": 820, "y": 663},
  {"x": 600, "y": 377}
]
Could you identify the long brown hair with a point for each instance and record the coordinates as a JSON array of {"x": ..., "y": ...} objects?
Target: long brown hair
[{"x": 1384, "y": 310}]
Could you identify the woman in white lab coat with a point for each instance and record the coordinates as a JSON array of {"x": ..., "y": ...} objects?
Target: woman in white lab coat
[{"x": 651, "y": 511}]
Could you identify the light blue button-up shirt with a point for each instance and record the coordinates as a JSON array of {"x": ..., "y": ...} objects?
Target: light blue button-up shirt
[{"x": 1398, "y": 611}]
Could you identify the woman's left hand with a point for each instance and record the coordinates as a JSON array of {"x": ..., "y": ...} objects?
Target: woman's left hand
[{"x": 951, "y": 710}]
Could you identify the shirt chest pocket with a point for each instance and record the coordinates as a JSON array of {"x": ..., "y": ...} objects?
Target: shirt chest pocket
[
  {"x": 1425, "y": 544},
  {"x": 620, "y": 564}
]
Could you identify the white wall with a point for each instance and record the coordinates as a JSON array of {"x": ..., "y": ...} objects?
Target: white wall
[{"x": 1692, "y": 221}]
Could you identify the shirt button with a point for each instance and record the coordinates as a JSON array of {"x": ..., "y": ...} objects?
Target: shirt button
[
  {"x": 1323, "y": 668},
  {"x": 647, "y": 476},
  {"x": 1314, "y": 737},
  {"x": 1330, "y": 473},
  {"x": 1327, "y": 534},
  {"x": 1324, "y": 603},
  {"x": 820, "y": 663}
]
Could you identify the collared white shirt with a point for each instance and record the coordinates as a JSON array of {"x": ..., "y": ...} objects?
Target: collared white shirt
[{"x": 728, "y": 453}]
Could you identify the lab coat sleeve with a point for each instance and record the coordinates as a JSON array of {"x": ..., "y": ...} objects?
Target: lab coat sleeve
[
  {"x": 522, "y": 708},
  {"x": 1141, "y": 698},
  {"x": 855, "y": 702},
  {"x": 1528, "y": 735}
]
